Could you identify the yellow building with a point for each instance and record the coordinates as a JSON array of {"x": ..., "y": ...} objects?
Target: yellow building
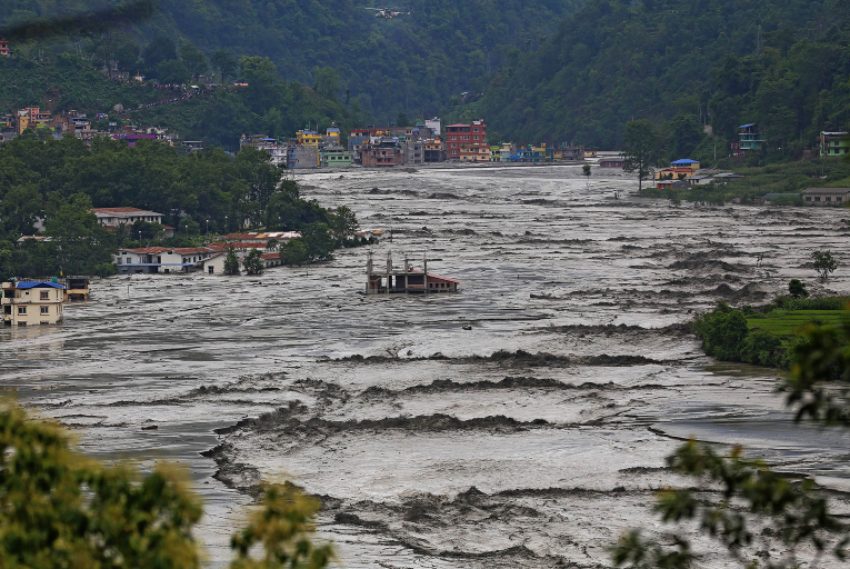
[
  {"x": 308, "y": 138},
  {"x": 32, "y": 303}
]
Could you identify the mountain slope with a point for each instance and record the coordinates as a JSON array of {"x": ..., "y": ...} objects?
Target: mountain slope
[{"x": 784, "y": 64}]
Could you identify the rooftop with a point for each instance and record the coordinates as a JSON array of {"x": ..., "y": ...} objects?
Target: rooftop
[
  {"x": 123, "y": 211},
  {"x": 26, "y": 285}
]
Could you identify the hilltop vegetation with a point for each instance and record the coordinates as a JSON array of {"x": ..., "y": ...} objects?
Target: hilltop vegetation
[
  {"x": 335, "y": 52},
  {"x": 683, "y": 64}
]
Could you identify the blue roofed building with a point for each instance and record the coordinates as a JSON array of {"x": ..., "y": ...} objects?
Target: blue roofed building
[{"x": 32, "y": 302}]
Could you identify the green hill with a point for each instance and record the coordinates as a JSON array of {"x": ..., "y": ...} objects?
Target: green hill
[
  {"x": 685, "y": 63},
  {"x": 415, "y": 63}
]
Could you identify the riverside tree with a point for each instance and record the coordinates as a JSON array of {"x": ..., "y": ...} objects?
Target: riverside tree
[
  {"x": 253, "y": 263},
  {"x": 62, "y": 510},
  {"x": 231, "y": 263},
  {"x": 641, "y": 148},
  {"x": 759, "y": 517},
  {"x": 825, "y": 264}
]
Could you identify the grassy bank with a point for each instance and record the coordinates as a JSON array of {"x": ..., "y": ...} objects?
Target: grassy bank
[
  {"x": 784, "y": 181},
  {"x": 767, "y": 336}
]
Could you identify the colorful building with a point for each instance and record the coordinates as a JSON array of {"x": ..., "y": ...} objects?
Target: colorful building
[
  {"x": 335, "y": 157},
  {"x": 32, "y": 303},
  {"x": 833, "y": 144},
  {"x": 749, "y": 140},
  {"x": 308, "y": 138},
  {"x": 467, "y": 142},
  {"x": 32, "y": 117},
  {"x": 679, "y": 170}
]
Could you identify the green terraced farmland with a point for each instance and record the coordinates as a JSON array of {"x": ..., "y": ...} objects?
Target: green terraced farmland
[{"x": 787, "y": 323}]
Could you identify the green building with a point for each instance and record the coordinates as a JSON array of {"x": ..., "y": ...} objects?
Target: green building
[{"x": 834, "y": 144}]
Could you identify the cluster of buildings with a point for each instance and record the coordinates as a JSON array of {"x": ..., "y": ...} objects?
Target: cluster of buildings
[
  {"x": 426, "y": 142},
  {"x": 687, "y": 173},
  {"x": 79, "y": 125}
]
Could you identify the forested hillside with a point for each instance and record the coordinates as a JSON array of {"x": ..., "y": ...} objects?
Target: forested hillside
[
  {"x": 784, "y": 64},
  {"x": 414, "y": 63}
]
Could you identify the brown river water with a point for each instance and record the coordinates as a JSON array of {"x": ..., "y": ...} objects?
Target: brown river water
[{"x": 532, "y": 440}]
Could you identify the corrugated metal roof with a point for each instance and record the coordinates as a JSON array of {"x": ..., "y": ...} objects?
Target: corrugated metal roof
[{"x": 26, "y": 285}]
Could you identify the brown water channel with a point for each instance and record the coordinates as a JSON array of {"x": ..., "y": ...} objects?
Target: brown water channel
[{"x": 532, "y": 439}]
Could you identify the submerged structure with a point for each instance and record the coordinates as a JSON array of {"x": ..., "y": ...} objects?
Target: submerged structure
[
  {"x": 407, "y": 280},
  {"x": 32, "y": 302}
]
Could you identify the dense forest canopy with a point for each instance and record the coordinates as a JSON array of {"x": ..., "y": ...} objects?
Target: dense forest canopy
[
  {"x": 688, "y": 63},
  {"x": 415, "y": 63}
]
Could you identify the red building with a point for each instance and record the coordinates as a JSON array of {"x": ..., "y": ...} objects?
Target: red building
[
  {"x": 467, "y": 142},
  {"x": 4, "y": 48}
]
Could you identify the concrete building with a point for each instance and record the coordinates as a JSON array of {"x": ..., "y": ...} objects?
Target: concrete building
[
  {"x": 385, "y": 152},
  {"x": 467, "y": 142},
  {"x": 32, "y": 303},
  {"x": 115, "y": 217},
  {"x": 749, "y": 140},
  {"x": 277, "y": 151},
  {"x": 300, "y": 157},
  {"x": 834, "y": 144},
  {"x": 435, "y": 124},
  {"x": 825, "y": 197},
  {"x": 335, "y": 157},
  {"x": 162, "y": 260},
  {"x": 407, "y": 280}
]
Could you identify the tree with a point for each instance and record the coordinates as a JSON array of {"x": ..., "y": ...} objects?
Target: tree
[
  {"x": 327, "y": 82},
  {"x": 762, "y": 518},
  {"x": 586, "y": 172},
  {"x": 253, "y": 263},
  {"x": 797, "y": 289},
  {"x": 231, "y": 263},
  {"x": 824, "y": 263},
  {"x": 641, "y": 149},
  {"x": 225, "y": 63},
  {"x": 343, "y": 224},
  {"x": 282, "y": 528},
  {"x": 62, "y": 510},
  {"x": 194, "y": 59},
  {"x": 295, "y": 252}
]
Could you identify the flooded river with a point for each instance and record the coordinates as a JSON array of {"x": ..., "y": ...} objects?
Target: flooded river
[{"x": 534, "y": 438}]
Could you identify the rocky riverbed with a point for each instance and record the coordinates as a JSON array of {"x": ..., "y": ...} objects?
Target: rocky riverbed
[{"x": 532, "y": 439}]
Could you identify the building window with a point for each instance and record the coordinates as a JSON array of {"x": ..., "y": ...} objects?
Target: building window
[
  {"x": 22, "y": 311},
  {"x": 45, "y": 310},
  {"x": 44, "y": 295}
]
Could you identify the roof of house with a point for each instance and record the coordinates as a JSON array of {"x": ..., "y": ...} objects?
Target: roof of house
[
  {"x": 748, "y": 125},
  {"x": 826, "y": 191},
  {"x": 684, "y": 162},
  {"x": 123, "y": 211},
  {"x": 26, "y": 285},
  {"x": 442, "y": 278},
  {"x": 144, "y": 250},
  {"x": 270, "y": 256}
]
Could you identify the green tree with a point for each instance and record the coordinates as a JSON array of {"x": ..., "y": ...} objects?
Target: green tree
[
  {"x": 226, "y": 64},
  {"x": 282, "y": 529},
  {"x": 231, "y": 263},
  {"x": 295, "y": 252},
  {"x": 327, "y": 82},
  {"x": 797, "y": 289},
  {"x": 824, "y": 263},
  {"x": 253, "y": 263},
  {"x": 722, "y": 332},
  {"x": 343, "y": 224},
  {"x": 62, "y": 510},
  {"x": 641, "y": 149},
  {"x": 317, "y": 238},
  {"x": 194, "y": 59}
]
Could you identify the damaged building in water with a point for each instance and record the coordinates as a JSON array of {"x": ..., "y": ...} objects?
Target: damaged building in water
[{"x": 406, "y": 280}]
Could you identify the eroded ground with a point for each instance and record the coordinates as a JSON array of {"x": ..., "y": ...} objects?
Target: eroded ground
[{"x": 532, "y": 440}]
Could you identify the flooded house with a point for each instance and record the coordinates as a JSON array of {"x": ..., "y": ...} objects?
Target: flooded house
[
  {"x": 77, "y": 289},
  {"x": 406, "y": 280},
  {"x": 32, "y": 302}
]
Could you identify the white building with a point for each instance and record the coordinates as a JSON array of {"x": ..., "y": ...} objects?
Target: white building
[
  {"x": 32, "y": 303},
  {"x": 162, "y": 260},
  {"x": 117, "y": 216},
  {"x": 435, "y": 125}
]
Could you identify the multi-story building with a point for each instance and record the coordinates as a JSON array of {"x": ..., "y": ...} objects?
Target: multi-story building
[
  {"x": 31, "y": 302},
  {"x": 277, "y": 151},
  {"x": 162, "y": 259},
  {"x": 434, "y": 150},
  {"x": 834, "y": 144},
  {"x": 382, "y": 153},
  {"x": 115, "y": 217},
  {"x": 308, "y": 138},
  {"x": 467, "y": 142},
  {"x": 301, "y": 156},
  {"x": 435, "y": 125},
  {"x": 749, "y": 140},
  {"x": 32, "y": 117},
  {"x": 335, "y": 157}
]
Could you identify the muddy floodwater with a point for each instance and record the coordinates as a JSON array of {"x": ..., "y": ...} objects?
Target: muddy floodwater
[{"x": 532, "y": 439}]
